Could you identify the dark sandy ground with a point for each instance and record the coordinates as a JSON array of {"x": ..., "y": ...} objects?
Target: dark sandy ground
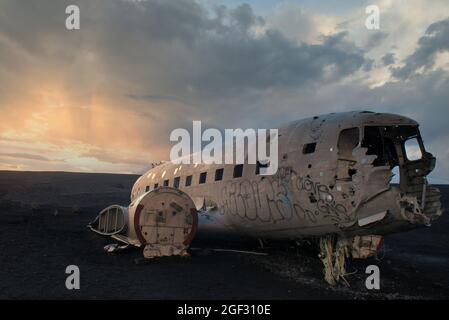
[{"x": 43, "y": 219}]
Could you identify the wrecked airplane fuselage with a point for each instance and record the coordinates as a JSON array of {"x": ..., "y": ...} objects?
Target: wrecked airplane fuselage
[{"x": 334, "y": 180}]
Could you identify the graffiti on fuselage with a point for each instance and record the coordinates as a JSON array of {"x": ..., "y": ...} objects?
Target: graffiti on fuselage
[
  {"x": 323, "y": 201},
  {"x": 277, "y": 198}
]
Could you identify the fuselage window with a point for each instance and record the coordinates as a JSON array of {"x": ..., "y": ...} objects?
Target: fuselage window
[
  {"x": 219, "y": 174},
  {"x": 309, "y": 148},
  {"x": 166, "y": 183},
  {"x": 347, "y": 141},
  {"x": 203, "y": 176},
  {"x": 261, "y": 165},
  {"x": 238, "y": 171},
  {"x": 412, "y": 149},
  {"x": 379, "y": 140},
  {"x": 176, "y": 182},
  {"x": 188, "y": 181},
  {"x": 156, "y": 185}
]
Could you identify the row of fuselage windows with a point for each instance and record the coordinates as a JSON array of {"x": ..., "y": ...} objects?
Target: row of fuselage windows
[{"x": 238, "y": 173}]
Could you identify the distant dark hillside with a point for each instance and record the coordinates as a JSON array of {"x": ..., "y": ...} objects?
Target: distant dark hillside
[{"x": 65, "y": 189}]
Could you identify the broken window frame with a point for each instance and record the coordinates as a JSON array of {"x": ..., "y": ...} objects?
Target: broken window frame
[{"x": 397, "y": 135}]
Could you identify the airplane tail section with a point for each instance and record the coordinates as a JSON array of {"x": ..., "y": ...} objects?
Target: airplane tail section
[{"x": 164, "y": 221}]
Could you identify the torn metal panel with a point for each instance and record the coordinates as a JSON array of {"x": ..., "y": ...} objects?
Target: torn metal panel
[
  {"x": 372, "y": 218},
  {"x": 200, "y": 203},
  {"x": 114, "y": 247}
]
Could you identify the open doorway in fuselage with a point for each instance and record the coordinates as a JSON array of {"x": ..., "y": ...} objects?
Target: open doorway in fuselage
[{"x": 348, "y": 140}]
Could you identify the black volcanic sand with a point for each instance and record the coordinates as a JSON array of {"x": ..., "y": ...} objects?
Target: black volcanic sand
[{"x": 43, "y": 218}]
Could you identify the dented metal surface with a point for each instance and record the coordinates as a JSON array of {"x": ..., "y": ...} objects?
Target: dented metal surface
[
  {"x": 163, "y": 221},
  {"x": 334, "y": 178}
]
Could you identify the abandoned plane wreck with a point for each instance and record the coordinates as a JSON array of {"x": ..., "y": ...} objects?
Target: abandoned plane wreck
[{"x": 333, "y": 187}]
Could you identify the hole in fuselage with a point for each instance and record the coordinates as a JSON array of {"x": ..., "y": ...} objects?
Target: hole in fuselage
[
  {"x": 352, "y": 172},
  {"x": 395, "y": 175}
]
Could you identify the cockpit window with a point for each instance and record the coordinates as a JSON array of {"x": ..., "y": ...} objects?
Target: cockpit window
[
  {"x": 386, "y": 141},
  {"x": 380, "y": 142},
  {"x": 412, "y": 149}
]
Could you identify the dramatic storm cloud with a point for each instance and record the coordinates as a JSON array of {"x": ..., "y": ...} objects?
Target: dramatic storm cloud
[
  {"x": 105, "y": 97},
  {"x": 435, "y": 41}
]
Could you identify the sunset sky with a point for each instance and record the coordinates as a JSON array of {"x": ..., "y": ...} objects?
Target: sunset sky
[{"x": 106, "y": 97}]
